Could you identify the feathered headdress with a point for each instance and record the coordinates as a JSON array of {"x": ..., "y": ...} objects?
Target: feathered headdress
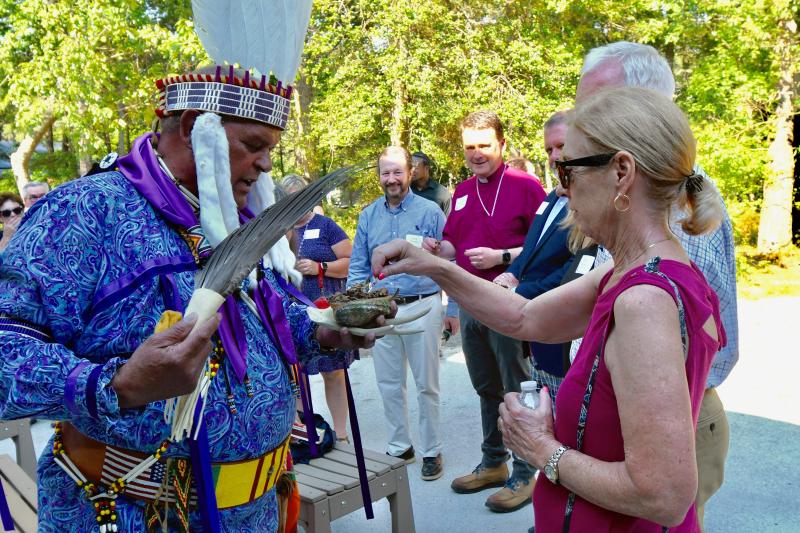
[{"x": 265, "y": 38}]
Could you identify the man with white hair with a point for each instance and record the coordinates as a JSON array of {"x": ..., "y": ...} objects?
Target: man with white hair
[
  {"x": 637, "y": 65},
  {"x": 33, "y": 191}
]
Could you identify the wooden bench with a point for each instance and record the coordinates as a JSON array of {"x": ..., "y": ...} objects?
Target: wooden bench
[
  {"x": 19, "y": 480},
  {"x": 330, "y": 489}
]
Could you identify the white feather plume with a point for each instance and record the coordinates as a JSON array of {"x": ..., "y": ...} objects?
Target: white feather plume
[{"x": 266, "y": 35}]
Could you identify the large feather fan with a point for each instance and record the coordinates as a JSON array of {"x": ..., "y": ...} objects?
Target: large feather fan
[
  {"x": 241, "y": 251},
  {"x": 267, "y": 35},
  {"x": 231, "y": 262}
]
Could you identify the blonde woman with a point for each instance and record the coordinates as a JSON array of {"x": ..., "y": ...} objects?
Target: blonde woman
[{"x": 619, "y": 455}]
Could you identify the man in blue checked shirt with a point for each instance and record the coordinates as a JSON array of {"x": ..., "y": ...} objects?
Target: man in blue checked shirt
[{"x": 400, "y": 214}]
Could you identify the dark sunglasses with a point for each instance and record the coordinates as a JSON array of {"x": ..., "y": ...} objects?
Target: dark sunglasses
[
  {"x": 5, "y": 213},
  {"x": 565, "y": 172}
]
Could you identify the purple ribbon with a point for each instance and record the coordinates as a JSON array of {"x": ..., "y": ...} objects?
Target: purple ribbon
[
  {"x": 233, "y": 338},
  {"x": 71, "y": 385},
  {"x": 91, "y": 391},
  {"x": 141, "y": 168},
  {"x": 366, "y": 497},
  {"x": 169, "y": 292},
  {"x": 5, "y": 512},
  {"x": 294, "y": 291},
  {"x": 204, "y": 477},
  {"x": 308, "y": 412},
  {"x": 270, "y": 310},
  {"x": 123, "y": 287}
]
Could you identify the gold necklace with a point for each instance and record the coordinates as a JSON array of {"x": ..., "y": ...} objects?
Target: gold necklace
[{"x": 643, "y": 252}]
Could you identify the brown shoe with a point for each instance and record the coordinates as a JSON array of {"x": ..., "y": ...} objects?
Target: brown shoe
[
  {"x": 481, "y": 478},
  {"x": 515, "y": 495}
]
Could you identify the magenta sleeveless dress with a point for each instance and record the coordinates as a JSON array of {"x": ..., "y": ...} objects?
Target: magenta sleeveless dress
[{"x": 603, "y": 434}]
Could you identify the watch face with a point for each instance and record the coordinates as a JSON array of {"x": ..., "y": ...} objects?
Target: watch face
[{"x": 550, "y": 472}]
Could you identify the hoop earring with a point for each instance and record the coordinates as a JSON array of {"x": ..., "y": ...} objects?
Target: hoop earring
[{"x": 626, "y": 199}]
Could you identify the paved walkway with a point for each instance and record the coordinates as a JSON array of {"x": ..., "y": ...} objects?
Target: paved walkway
[{"x": 762, "y": 488}]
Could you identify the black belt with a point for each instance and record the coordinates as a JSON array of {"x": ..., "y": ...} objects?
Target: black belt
[{"x": 402, "y": 300}]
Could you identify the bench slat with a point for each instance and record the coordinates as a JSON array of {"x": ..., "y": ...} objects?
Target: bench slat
[
  {"x": 339, "y": 468},
  {"x": 350, "y": 500},
  {"x": 15, "y": 476},
  {"x": 24, "y": 516},
  {"x": 350, "y": 460},
  {"x": 346, "y": 481},
  {"x": 310, "y": 494},
  {"x": 393, "y": 462},
  {"x": 322, "y": 484}
]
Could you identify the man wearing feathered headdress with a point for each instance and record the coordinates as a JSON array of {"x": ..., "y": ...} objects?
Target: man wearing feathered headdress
[{"x": 96, "y": 262}]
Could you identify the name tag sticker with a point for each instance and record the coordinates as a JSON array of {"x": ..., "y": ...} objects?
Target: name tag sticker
[
  {"x": 416, "y": 240},
  {"x": 542, "y": 207},
  {"x": 461, "y": 202},
  {"x": 586, "y": 264},
  {"x": 311, "y": 234}
]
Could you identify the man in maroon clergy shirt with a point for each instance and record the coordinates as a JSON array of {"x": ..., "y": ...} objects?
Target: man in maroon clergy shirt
[{"x": 489, "y": 218}]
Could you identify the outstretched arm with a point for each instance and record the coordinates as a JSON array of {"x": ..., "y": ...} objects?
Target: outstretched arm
[{"x": 556, "y": 316}]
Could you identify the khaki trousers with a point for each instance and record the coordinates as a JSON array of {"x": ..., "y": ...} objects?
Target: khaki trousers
[{"x": 711, "y": 447}]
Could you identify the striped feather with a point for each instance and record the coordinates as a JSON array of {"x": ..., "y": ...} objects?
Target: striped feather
[{"x": 241, "y": 251}]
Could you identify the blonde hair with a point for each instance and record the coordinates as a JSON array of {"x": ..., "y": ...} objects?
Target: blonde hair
[
  {"x": 293, "y": 183},
  {"x": 576, "y": 239},
  {"x": 656, "y": 133}
]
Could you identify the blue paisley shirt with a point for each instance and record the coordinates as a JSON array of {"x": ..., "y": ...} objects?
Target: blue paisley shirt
[{"x": 77, "y": 240}]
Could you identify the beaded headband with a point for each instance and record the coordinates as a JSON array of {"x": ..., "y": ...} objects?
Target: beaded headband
[{"x": 248, "y": 97}]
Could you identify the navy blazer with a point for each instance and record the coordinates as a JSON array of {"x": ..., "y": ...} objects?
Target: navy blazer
[{"x": 539, "y": 268}]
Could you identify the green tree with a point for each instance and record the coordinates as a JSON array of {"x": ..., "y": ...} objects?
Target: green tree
[{"x": 86, "y": 68}]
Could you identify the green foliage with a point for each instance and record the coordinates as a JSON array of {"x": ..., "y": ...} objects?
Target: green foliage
[
  {"x": 377, "y": 72},
  {"x": 767, "y": 275},
  {"x": 346, "y": 217},
  {"x": 744, "y": 218},
  {"x": 92, "y": 64},
  {"x": 7, "y": 183},
  {"x": 54, "y": 168}
]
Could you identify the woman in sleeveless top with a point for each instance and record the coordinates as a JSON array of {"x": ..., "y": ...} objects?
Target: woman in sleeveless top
[{"x": 619, "y": 455}]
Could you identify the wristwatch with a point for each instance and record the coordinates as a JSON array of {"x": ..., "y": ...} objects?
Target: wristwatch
[
  {"x": 324, "y": 267},
  {"x": 551, "y": 468},
  {"x": 506, "y": 257}
]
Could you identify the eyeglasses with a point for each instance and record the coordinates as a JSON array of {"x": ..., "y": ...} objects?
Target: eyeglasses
[
  {"x": 6, "y": 213},
  {"x": 565, "y": 172}
]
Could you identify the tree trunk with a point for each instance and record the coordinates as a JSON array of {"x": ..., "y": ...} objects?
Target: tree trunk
[
  {"x": 122, "y": 138},
  {"x": 21, "y": 158},
  {"x": 304, "y": 151},
  {"x": 775, "y": 223},
  {"x": 50, "y": 141},
  {"x": 399, "y": 133},
  {"x": 84, "y": 164}
]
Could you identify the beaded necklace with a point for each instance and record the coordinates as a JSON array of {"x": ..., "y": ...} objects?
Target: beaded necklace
[{"x": 104, "y": 498}]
